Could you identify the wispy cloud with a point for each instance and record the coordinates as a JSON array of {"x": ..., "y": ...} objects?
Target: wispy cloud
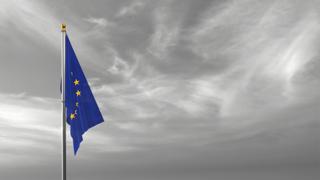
[
  {"x": 100, "y": 22},
  {"x": 262, "y": 64},
  {"x": 30, "y": 124},
  {"x": 165, "y": 34},
  {"x": 130, "y": 9},
  {"x": 33, "y": 18}
]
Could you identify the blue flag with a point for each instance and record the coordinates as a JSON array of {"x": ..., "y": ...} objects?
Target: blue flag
[{"x": 81, "y": 107}]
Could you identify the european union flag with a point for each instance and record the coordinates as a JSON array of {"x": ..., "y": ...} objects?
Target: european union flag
[{"x": 81, "y": 107}]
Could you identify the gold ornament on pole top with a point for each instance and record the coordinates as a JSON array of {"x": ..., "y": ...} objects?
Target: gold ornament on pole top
[{"x": 63, "y": 27}]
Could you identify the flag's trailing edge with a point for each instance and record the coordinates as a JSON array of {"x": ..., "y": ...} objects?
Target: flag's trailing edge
[{"x": 82, "y": 110}]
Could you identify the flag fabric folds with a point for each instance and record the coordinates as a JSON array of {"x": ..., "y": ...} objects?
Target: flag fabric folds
[{"x": 82, "y": 111}]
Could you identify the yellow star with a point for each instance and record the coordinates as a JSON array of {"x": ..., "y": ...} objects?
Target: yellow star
[
  {"x": 78, "y": 93},
  {"x": 76, "y": 82},
  {"x": 77, "y": 104},
  {"x": 72, "y": 116}
]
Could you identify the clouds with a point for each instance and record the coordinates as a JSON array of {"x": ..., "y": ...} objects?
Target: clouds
[
  {"x": 19, "y": 13},
  {"x": 130, "y": 9},
  {"x": 165, "y": 34},
  {"x": 258, "y": 48},
  {"x": 202, "y": 87},
  {"x": 29, "y": 125},
  {"x": 98, "y": 21}
]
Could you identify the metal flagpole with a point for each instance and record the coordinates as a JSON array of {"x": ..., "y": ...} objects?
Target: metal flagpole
[{"x": 63, "y": 62}]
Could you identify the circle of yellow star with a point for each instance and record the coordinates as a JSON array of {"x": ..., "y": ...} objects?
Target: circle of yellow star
[
  {"x": 77, "y": 104},
  {"x": 76, "y": 82},
  {"x": 72, "y": 116},
  {"x": 78, "y": 93}
]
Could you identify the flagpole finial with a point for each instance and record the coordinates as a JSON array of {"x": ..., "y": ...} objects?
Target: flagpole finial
[{"x": 63, "y": 27}]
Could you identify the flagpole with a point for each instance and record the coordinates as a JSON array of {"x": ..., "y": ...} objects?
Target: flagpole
[{"x": 63, "y": 62}]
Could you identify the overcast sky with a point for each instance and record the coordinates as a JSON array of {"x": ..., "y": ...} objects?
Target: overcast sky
[{"x": 189, "y": 89}]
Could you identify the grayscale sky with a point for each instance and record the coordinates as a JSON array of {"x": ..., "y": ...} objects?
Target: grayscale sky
[{"x": 189, "y": 89}]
